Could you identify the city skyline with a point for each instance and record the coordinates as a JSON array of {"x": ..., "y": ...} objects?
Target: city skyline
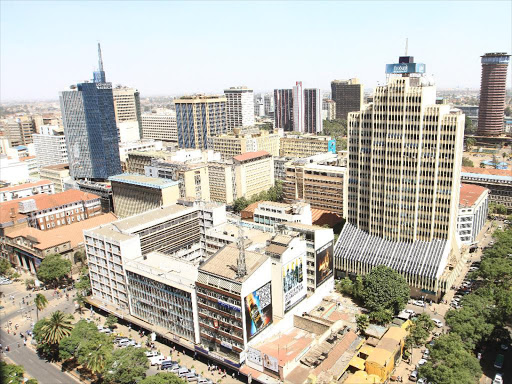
[{"x": 154, "y": 46}]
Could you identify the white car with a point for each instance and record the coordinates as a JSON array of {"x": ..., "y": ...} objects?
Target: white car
[
  {"x": 422, "y": 362},
  {"x": 498, "y": 379},
  {"x": 151, "y": 353},
  {"x": 156, "y": 359},
  {"x": 410, "y": 312},
  {"x": 438, "y": 323},
  {"x": 419, "y": 303}
]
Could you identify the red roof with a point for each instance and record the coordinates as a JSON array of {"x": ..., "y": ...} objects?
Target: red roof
[
  {"x": 251, "y": 155},
  {"x": 25, "y": 186},
  {"x": 485, "y": 171},
  {"x": 27, "y": 158},
  {"x": 469, "y": 194}
]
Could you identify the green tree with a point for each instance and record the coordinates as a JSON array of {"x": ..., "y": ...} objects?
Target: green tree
[
  {"x": 56, "y": 327},
  {"x": 80, "y": 257},
  {"x": 31, "y": 381},
  {"x": 111, "y": 321},
  {"x": 470, "y": 142},
  {"x": 53, "y": 269},
  {"x": 451, "y": 363},
  {"x": 508, "y": 111},
  {"x": 240, "y": 204},
  {"x": 80, "y": 302},
  {"x": 126, "y": 366},
  {"x": 381, "y": 316},
  {"x": 337, "y": 129},
  {"x": 5, "y": 266},
  {"x": 163, "y": 378},
  {"x": 362, "y": 321},
  {"x": 384, "y": 288},
  {"x": 419, "y": 331},
  {"x": 466, "y": 162},
  {"x": 41, "y": 302},
  {"x": 97, "y": 359},
  {"x": 469, "y": 128},
  {"x": 11, "y": 373},
  {"x": 482, "y": 164},
  {"x": 29, "y": 283}
]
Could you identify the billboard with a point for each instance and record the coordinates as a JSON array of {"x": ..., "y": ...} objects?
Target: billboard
[
  {"x": 331, "y": 146},
  {"x": 405, "y": 68},
  {"x": 294, "y": 285},
  {"x": 254, "y": 356},
  {"x": 270, "y": 362},
  {"x": 258, "y": 310},
  {"x": 324, "y": 263}
]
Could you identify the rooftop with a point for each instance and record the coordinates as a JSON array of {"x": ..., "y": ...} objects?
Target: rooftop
[
  {"x": 143, "y": 181},
  {"x": 251, "y": 156},
  {"x": 487, "y": 171},
  {"x": 135, "y": 223},
  {"x": 469, "y": 194},
  {"x": 72, "y": 232},
  {"x": 224, "y": 263},
  {"x": 57, "y": 167},
  {"x": 25, "y": 186}
]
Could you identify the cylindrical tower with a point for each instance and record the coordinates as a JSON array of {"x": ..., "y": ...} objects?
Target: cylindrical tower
[{"x": 492, "y": 94}]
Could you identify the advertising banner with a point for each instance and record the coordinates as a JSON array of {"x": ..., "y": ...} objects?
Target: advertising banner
[
  {"x": 254, "y": 356},
  {"x": 324, "y": 263},
  {"x": 258, "y": 310},
  {"x": 405, "y": 68},
  {"x": 294, "y": 285},
  {"x": 270, "y": 362}
]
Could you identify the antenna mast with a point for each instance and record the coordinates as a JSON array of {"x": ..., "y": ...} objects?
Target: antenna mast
[
  {"x": 100, "y": 60},
  {"x": 406, "y": 45},
  {"x": 241, "y": 268}
]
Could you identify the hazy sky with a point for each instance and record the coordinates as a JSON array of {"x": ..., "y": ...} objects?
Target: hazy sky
[{"x": 170, "y": 48}]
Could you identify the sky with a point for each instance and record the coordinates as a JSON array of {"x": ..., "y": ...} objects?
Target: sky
[{"x": 174, "y": 48}]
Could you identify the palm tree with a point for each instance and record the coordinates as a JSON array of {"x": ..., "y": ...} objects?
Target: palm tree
[
  {"x": 80, "y": 301},
  {"x": 57, "y": 327},
  {"x": 97, "y": 360},
  {"x": 41, "y": 302}
]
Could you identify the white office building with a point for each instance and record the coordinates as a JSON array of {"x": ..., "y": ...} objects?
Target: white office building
[
  {"x": 239, "y": 107},
  {"x": 298, "y": 107},
  {"x": 159, "y": 126},
  {"x": 473, "y": 208},
  {"x": 50, "y": 148}
]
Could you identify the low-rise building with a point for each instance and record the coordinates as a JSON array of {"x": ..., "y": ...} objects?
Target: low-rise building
[
  {"x": 159, "y": 126},
  {"x": 497, "y": 181},
  {"x": 473, "y": 208},
  {"x": 138, "y": 146},
  {"x": 58, "y": 174},
  {"x": 137, "y": 160},
  {"x": 28, "y": 189},
  {"x": 386, "y": 355},
  {"x": 254, "y": 173},
  {"x": 222, "y": 180},
  {"x": 102, "y": 189},
  {"x": 13, "y": 170},
  {"x": 306, "y": 145},
  {"x": 245, "y": 140},
  {"x": 271, "y": 213},
  {"x": 134, "y": 194}
]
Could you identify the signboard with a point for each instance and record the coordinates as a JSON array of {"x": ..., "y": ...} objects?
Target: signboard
[
  {"x": 254, "y": 356},
  {"x": 331, "y": 146},
  {"x": 324, "y": 263},
  {"x": 405, "y": 68},
  {"x": 294, "y": 285},
  {"x": 258, "y": 310},
  {"x": 270, "y": 362},
  {"x": 227, "y": 345}
]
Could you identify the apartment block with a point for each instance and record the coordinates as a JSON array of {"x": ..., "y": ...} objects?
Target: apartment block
[
  {"x": 298, "y": 107},
  {"x": 134, "y": 194},
  {"x": 306, "y": 145},
  {"x": 268, "y": 102},
  {"x": 50, "y": 149},
  {"x": 328, "y": 109},
  {"x": 28, "y": 189},
  {"x": 317, "y": 181},
  {"x": 313, "y": 122},
  {"x": 57, "y": 174},
  {"x": 239, "y": 107},
  {"x": 473, "y": 210},
  {"x": 283, "y": 109},
  {"x": 254, "y": 173},
  {"x": 348, "y": 96},
  {"x": 158, "y": 126},
  {"x": 199, "y": 117},
  {"x": 241, "y": 141},
  {"x": 222, "y": 180},
  {"x": 19, "y": 131}
]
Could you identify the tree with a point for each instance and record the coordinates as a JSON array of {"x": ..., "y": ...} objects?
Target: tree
[
  {"x": 29, "y": 283},
  {"x": 337, "y": 129},
  {"x": 56, "y": 327},
  {"x": 470, "y": 142},
  {"x": 5, "y": 266},
  {"x": 126, "y": 366},
  {"x": 97, "y": 359},
  {"x": 240, "y": 204},
  {"x": 468, "y": 126},
  {"x": 384, "y": 288},
  {"x": 466, "y": 162},
  {"x": 41, "y": 302},
  {"x": 362, "y": 321},
  {"x": 163, "y": 378},
  {"x": 381, "y": 316},
  {"x": 419, "y": 331},
  {"x": 79, "y": 257},
  {"x": 482, "y": 164},
  {"x": 451, "y": 363},
  {"x": 508, "y": 111},
  {"x": 80, "y": 302},
  {"x": 111, "y": 321},
  {"x": 83, "y": 285},
  {"x": 53, "y": 269},
  {"x": 11, "y": 373},
  {"x": 31, "y": 381}
]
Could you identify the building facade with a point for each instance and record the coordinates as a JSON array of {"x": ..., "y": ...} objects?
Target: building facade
[
  {"x": 160, "y": 127},
  {"x": 50, "y": 149},
  {"x": 127, "y": 106},
  {"x": 19, "y": 131},
  {"x": 199, "y": 117},
  {"x": 348, "y": 96},
  {"x": 239, "y": 107},
  {"x": 313, "y": 122},
  {"x": 328, "y": 109},
  {"x": 283, "y": 109},
  {"x": 241, "y": 141},
  {"x": 254, "y": 173},
  {"x": 492, "y": 94},
  {"x": 306, "y": 145},
  {"x": 25, "y": 190},
  {"x": 473, "y": 209},
  {"x": 57, "y": 174},
  {"x": 497, "y": 181},
  {"x": 298, "y": 107},
  {"x": 221, "y": 176}
]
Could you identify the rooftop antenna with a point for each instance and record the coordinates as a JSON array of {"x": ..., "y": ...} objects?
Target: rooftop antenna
[
  {"x": 100, "y": 60},
  {"x": 406, "y": 45},
  {"x": 241, "y": 268}
]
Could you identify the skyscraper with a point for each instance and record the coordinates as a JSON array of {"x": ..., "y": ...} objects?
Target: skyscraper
[
  {"x": 198, "y": 117},
  {"x": 492, "y": 93},
  {"x": 127, "y": 106},
  {"x": 90, "y": 128},
  {"x": 298, "y": 107},
  {"x": 19, "y": 131},
  {"x": 283, "y": 109},
  {"x": 405, "y": 156},
  {"x": 239, "y": 107},
  {"x": 268, "y": 100},
  {"x": 313, "y": 122},
  {"x": 348, "y": 95}
]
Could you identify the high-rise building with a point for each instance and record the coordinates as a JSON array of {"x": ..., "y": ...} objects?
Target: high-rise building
[
  {"x": 239, "y": 107},
  {"x": 160, "y": 126},
  {"x": 199, "y": 117},
  {"x": 348, "y": 96},
  {"x": 90, "y": 128},
  {"x": 313, "y": 110},
  {"x": 268, "y": 102},
  {"x": 283, "y": 109},
  {"x": 127, "y": 107},
  {"x": 19, "y": 131},
  {"x": 50, "y": 147},
  {"x": 298, "y": 107},
  {"x": 492, "y": 94},
  {"x": 329, "y": 109}
]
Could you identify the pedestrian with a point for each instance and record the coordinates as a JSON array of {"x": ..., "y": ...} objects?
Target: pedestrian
[
  {"x": 7, "y": 349},
  {"x": 18, "y": 345},
  {"x": 233, "y": 375},
  {"x": 25, "y": 343}
]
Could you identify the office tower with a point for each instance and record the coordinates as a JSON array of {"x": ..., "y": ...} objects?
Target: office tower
[
  {"x": 298, "y": 107},
  {"x": 404, "y": 160},
  {"x": 50, "y": 148},
  {"x": 492, "y": 94},
  {"x": 199, "y": 117},
  {"x": 127, "y": 110},
  {"x": 90, "y": 128},
  {"x": 19, "y": 131},
  {"x": 329, "y": 109},
  {"x": 283, "y": 109},
  {"x": 159, "y": 126},
  {"x": 313, "y": 122},
  {"x": 268, "y": 102},
  {"x": 239, "y": 107},
  {"x": 348, "y": 96}
]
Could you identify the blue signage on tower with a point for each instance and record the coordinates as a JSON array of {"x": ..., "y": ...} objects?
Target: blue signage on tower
[
  {"x": 331, "y": 146},
  {"x": 405, "y": 68}
]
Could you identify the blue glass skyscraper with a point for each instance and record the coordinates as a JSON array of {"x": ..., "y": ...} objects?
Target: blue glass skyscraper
[{"x": 90, "y": 128}]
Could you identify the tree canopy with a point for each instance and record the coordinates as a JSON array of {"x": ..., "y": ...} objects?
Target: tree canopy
[
  {"x": 337, "y": 129},
  {"x": 275, "y": 193},
  {"x": 11, "y": 373},
  {"x": 163, "y": 378},
  {"x": 5, "y": 266},
  {"x": 466, "y": 162},
  {"x": 126, "y": 366},
  {"x": 419, "y": 331},
  {"x": 53, "y": 269}
]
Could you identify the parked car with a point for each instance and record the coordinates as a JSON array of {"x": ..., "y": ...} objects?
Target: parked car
[
  {"x": 410, "y": 312},
  {"x": 156, "y": 359},
  {"x": 498, "y": 379},
  {"x": 413, "y": 376},
  {"x": 118, "y": 340},
  {"x": 203, "y": 380},
  {"x": 438, "y": 323},
  {"x": 498, "y": 363},
  {"x": 419, "y": 303},
  {"x": 168, "y": 364},
  {"x": 183, "y": 371},
  {"x": 422, "y": 362},
  {"x": 151, "y": 353}
]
